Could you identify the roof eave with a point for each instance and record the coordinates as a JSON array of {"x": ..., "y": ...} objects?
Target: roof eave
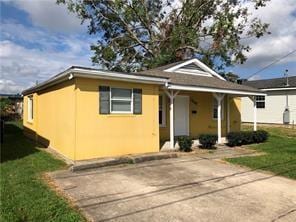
[
  {"x": 216, "y": 90},
  {"x": 94, "y": 74}
]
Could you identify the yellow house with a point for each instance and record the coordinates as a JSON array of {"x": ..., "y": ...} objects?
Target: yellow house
[{"x": 86, "y": 113}]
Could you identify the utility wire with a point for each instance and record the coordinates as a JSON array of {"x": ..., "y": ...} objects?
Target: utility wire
[{"x": 275, "y": 61}]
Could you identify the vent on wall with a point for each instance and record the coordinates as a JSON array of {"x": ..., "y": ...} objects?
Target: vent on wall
[{"x": 193, "y": 69}]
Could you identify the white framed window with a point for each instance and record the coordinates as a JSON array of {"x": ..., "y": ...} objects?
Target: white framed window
[
  {"x": 162, "y": 110},
  {"x": 215, "y": 109},
  {"x": 30, "y": 109},
  {"x": 121, "y": 100},
  {"x": 260, "y": 102}
]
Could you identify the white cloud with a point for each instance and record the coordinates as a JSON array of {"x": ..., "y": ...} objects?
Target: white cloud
[
  {"x": 47, "y": 14},
  {"x": 281, "y": 15},
  {"x": 36, "y": 55},
  {"x": 9, "y": 86}
]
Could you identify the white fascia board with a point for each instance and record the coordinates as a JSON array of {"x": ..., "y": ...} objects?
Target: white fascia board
[
  {"x": 60, "y": 78},
  {"x": 279, "y": 89},
  {"x": 95, "y": 74},
  {"x": 215, "y": 90},
  {"x": 198, "y": 63},
  {"x": 199, "y": 73}
]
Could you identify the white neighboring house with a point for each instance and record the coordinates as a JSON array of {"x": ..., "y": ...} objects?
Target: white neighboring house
[{"x": 271, "y": 108}]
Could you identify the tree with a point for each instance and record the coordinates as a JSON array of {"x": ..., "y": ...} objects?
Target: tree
[
  {"x": 230, "y": 76},
  {"x": 140, "y": 34}
]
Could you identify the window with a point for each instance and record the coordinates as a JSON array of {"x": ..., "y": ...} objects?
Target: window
[
  {"x": 260, "y": 102},
  {"x": 121, "y": 100},
  {"x": 215, "y": 109},
  {"x": 30, "y": 108},
  {"x": 161, "y": 111}
]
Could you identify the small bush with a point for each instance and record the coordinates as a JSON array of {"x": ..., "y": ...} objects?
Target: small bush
[
  {"x": 185, "y": 143},
  {"x": 246, "y": 137},
  {"x": 207, "y": 140},
  {"x": 260, "y": 136}
]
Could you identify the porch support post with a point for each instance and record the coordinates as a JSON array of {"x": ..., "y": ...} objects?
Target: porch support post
[
  {"x": 228, "y": 113},
  {"x": 255, "y": 114},
  {"x": 171, "y": 94},
  {"x": 219, "y": 97},
  {"x": 253, "y": 98}
]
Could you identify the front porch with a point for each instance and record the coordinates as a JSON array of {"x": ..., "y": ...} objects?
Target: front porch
[{"x": 191, "y": 112}]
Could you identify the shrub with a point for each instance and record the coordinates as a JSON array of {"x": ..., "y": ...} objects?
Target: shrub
[
  {"x": 207, "y": 140},
  {"x": 246, "y": 137},
  {"x": 185, "y": 143},
  {"x": 260, "y": 136}
]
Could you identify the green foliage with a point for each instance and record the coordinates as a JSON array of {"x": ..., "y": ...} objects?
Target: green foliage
[
  {"x": 185, "y": 143},
  {"x": 207, "y": 140},
  {"x": 279, "y": 153},
  {"x": 139, "y": 34},
  {"x": 246, "y": 137},
  {"x": 25, "y": 196},
  {"x": 4, "y": 104}
]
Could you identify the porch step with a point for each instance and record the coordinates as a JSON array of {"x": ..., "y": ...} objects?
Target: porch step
[{"x": 130, "y": 159}]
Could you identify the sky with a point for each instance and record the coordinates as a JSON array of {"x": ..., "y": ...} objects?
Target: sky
[{"x": 39, "y": 39}]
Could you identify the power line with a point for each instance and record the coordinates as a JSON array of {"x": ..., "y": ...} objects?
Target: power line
[{"x": 275, "y": 61}]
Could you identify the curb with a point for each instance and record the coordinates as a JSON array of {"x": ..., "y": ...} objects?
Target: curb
[{"x": 92, "y": 164}]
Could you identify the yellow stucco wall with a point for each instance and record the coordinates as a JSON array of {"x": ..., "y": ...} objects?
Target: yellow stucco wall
[
  {"x": 114, "y": 134},
  {"x": 202, "y": 121},
  {"x": 66, "y": 118},
  {"x": 54, "y": 118}
]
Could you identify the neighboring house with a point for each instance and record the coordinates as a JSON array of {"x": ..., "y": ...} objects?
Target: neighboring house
[
  {"x": 86, "y": 113},
  {"x": 278, "y": 106},
  {"x": 17, "y": 102}
]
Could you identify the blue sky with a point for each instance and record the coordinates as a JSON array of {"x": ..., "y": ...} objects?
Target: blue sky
[{"x": 39, "y": 39}]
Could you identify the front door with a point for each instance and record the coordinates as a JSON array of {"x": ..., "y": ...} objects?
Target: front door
[{"x": 181, "y": 115}]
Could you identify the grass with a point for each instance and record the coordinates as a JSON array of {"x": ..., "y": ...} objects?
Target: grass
[
  {"x": 280, "y": 151},
  {"x": 25, "y": 196}
]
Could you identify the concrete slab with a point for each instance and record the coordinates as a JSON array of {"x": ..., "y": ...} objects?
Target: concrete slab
[
  {"x": 103, "y": 162},
  {"x": 188, "y": 188}
]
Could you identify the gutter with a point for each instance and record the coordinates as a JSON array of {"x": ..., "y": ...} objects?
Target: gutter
[
  {"x": 71, "y": 73},
  {"x": 215, "y": 90}
]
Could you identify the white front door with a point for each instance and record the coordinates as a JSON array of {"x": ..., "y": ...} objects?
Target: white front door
[{"x": 181, "y": 115}]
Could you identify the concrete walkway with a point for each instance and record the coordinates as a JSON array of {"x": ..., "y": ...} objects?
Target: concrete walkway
[{"x": 187, "y": 188}]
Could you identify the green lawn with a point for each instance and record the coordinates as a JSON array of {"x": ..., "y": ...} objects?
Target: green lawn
[
  {"x": 280, "y": 152},
  {"x": 24, "y": 195}
]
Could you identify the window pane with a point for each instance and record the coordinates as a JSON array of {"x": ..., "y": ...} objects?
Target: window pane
[
  {"x": 120, "y": 106},
  {"x": 260, "y": 105},
  {"x": 160, "y": 103},
  {"x": 160, "y": 117},
  {"x": 215, "y": 113},
  {"x": 117, "y": 93}
]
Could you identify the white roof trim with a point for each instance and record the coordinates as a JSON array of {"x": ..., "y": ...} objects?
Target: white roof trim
[
  {"x": 198, "y": 63},
  {"x": 279, "y": 89},
  {"x": 215, "y": 90},
  {"x": 96, "y": 74}
]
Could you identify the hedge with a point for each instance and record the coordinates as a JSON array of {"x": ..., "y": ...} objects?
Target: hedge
[
  {"x": 246, "y": 137},
  {"x": 185, "y": 143},
  {"x": 207, "y": 140}
]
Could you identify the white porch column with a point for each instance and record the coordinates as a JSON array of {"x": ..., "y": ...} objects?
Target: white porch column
[
  {"x": 172, "y": 120},
  {"x": 219, "y": 97},
  {"x": 255, "y": 113},
  {"x": 172, "y": 96}
]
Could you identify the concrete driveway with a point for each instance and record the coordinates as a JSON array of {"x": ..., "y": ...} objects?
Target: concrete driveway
[{"x": 183, "y": 189}]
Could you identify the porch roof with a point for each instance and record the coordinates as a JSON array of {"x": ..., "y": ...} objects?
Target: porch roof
[{"x": 193, "y": 82}]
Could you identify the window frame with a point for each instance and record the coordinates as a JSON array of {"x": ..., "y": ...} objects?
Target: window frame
[
  {"x": 163, "y": 109},
  {"x": 30, "y": 109},
  {"x": 131, "y": 100},
  {"x": 260, "y": 101},
  {"x": 215, "y": 102}
]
